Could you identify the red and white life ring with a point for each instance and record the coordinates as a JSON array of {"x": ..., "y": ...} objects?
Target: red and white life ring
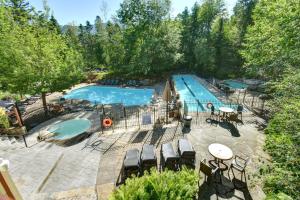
[
  {"x": 107, "y": 122},
  {"x": 209, "y": 105}
]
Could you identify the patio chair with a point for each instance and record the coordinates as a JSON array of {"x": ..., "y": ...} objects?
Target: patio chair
[
  {"x": 131, "y": 164},
  {"x": 186, "y": 153},
  {"x": 209, "y": 171},
  {"x": 148, "y": 158},
  {"x": 233, "y": 118},
  {"x": 239, "y": 110},
  {"x": 239, "y": 163},
  {"x": 169, "y": 158}
]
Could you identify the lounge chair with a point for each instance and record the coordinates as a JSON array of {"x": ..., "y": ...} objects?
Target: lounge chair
[
  {"x": 148, "y": 157},
  {"x": 131, "y": 164},
  {"x": 186, "y": 153},
  {"x": 169, "y": 158},
  {"x": 239, "y": 163}
]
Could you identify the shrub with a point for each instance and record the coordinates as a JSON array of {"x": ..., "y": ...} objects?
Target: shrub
[
  {"x": 3, "y": 119},
  {"x": 164, "y": 186},
  {"x": 283, "y": 140}
]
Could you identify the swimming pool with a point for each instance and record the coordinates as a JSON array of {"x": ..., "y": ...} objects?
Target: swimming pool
[
  {"x": 112, "y": 95},
  {"x": 236, "y": 84},
  {"x": 191, "y": 90}
]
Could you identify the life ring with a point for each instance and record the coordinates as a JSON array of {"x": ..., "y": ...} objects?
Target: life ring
[
  {"x": 107, "y": 122},
  {"x": 209, "y": 105}
]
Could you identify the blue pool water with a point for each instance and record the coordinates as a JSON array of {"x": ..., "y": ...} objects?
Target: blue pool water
[
  {"x": 111, "y": 95},
  {"x": 69, "y": 128},
  {"x": 191, "y": 90},
  {"x": 235, "y": 84}
]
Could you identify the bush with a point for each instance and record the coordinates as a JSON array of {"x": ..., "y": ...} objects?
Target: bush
[
  {"x": 164, "y": 186},
  {"x": 3, "y": 119},
  {"x": 283, "y": 140}
]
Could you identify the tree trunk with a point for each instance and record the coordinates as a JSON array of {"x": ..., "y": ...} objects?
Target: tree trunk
[{"x": 44, "y": 103}]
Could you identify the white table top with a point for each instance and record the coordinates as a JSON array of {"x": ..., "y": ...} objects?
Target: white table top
[
  {"x": 220, "y": 151},
  {"x": 226, "y": 109}
]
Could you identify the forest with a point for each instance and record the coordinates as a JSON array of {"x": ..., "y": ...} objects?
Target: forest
[{"x": 261, "y": 39}]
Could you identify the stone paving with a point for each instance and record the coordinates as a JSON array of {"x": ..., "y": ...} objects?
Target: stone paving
[
  {"x": 246, "y": 141},
  {"x": 49, "y": 171}
]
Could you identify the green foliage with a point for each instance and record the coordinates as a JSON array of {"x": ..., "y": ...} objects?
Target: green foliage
[
  {"x": 272, "y": 43},
  {"x": 35, "y": 59},
  {"x": 3, "y": 118},
  {"x": 150, "y": 40},
  {"x": 283, "y": 139},
  {"x": 280, "y": 196},
  {"x": 209, "y": 38},
  {"x": 164, "y": 186}
]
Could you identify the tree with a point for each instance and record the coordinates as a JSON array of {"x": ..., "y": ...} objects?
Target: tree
[
  {"x": 21, "y": 10},
  {"x": 242, "y": 18},
  {"x": 54, "y": 25},
  {"x": 30, "y": 63},
  {"x": 272, "y": 42},
  {"x": 101, "y": 40},
  {"x": 200, "y": 52},
  {"x": 150, "y": 39}
]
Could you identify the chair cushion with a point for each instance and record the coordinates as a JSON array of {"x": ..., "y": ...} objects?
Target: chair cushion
[
  {"x": 168, "y": 151},
  {"x": 131, "y": 158},
  {"x": 185, "y": 148},
  {"x": 148, "y": 153}
]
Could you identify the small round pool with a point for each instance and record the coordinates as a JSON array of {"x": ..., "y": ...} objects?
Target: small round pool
[
  {"x": 70, "y": 128},
  {"x": 111, "y": 95}
]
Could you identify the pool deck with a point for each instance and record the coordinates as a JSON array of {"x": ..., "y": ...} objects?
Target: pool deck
[{"x": 48, "y": 171}]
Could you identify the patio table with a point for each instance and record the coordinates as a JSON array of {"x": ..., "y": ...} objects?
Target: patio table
[
  {"x": 220, "y": 152},
  {"x": 225, "y": 111}
]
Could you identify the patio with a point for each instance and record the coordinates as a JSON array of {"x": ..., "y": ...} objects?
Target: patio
[{"x": 48, "y": 171}]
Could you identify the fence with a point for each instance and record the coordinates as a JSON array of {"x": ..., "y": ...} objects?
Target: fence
[
  {"x": 133, "y": 117},
  {"x": 251, "y": 100}
]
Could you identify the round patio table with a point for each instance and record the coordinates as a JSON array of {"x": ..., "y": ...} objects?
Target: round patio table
[
  {"x": 225, "y": 111},
  {"x": 220, "y": 152},
  {"x": 70, "y": 128}
]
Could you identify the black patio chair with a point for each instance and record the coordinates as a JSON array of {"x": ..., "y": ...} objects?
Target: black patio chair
[
  {"x": 210, "y": 171},
  {"x": 131, "y": 164},
  {"x": 169, "y": 159},
  {"x": 148, "y": 158},
  {"x": 239, "y": 163},
  {"x": 187, "y": 153},
  {"x": 239, "y": 110}
]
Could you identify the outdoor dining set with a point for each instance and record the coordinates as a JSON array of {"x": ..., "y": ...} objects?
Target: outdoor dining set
[
  {"x": 135, "y": 163},
  {"x": 227, "y": 114}
]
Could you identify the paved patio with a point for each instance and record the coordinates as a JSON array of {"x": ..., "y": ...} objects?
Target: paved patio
[{"x": 48, "y": 171}]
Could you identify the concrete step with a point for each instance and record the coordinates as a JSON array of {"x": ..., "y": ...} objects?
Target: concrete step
[
  {"x": 82, "y": 164},
  {"x": 26, "y": 169}
]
